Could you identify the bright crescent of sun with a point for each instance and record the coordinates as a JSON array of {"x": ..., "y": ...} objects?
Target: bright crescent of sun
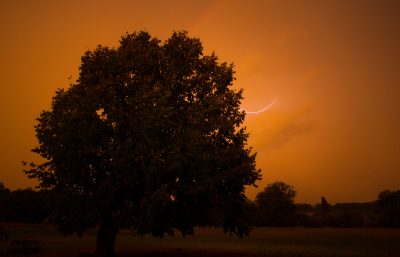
[{"x": 261, "y": 110}]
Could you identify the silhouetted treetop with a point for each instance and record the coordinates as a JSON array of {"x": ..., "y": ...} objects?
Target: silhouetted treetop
[
  {"x": 276, "y": 205},
  {"x": 3, "y": 189},
  {"x": 389, "y": 206}
]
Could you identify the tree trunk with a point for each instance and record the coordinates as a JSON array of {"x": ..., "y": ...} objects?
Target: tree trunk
[{"x": 106, "y": 236}]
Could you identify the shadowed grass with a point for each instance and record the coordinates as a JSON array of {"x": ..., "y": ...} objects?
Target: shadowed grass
[{"x": 210, "y": 242}]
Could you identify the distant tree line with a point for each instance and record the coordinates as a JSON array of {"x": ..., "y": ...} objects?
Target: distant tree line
[
  {"x": 274, "y": 206},
  {"x": 26, "y": 205}
]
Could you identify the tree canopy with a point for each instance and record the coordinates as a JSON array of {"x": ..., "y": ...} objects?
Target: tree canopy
[
  {"x": 148, "y": 138},
  {"x": 276, "y": 205},
  {"x": 389, "y": 205}
]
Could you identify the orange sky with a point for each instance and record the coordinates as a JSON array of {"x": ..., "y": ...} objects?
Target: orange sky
[{"x": 333, "y": 65}]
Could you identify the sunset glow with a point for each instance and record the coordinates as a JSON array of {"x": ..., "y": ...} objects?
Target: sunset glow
[{"x": 334, "y": 65}]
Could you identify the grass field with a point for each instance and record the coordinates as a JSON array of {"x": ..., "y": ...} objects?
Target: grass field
[{"x": 269, "y": 242}]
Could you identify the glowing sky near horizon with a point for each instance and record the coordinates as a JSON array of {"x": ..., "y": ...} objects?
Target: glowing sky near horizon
[{"x": 333, "y": 64}]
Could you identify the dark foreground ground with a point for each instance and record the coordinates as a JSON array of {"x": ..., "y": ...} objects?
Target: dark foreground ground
[
  {"x": 191, "y": 253},
  {"x": 263, "y": 242},
  {"x": 194, "y": 254}
]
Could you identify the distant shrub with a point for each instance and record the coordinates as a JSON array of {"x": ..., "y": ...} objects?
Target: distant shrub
[
  {"x": 26, "y": 205},
  {"x": 389, "y": 208},
  {"x": 349, "y": 219}
]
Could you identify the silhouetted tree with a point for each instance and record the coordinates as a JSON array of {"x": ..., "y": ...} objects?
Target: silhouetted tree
[
  {"x": 349, "y": 219},
  {"x": 26, "y": 205},
  {"x": 276, "y": 205},
  {"x": 148, "y": 138},
  {"x": 355, "y": 214},
  {"x": 389, "y": 206},
  {"x": 4, "y": 196},
  {"x": 324, "y": 205},
  {"x": 3, "y": 189},
  {"x": 323, "y": 215}
]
